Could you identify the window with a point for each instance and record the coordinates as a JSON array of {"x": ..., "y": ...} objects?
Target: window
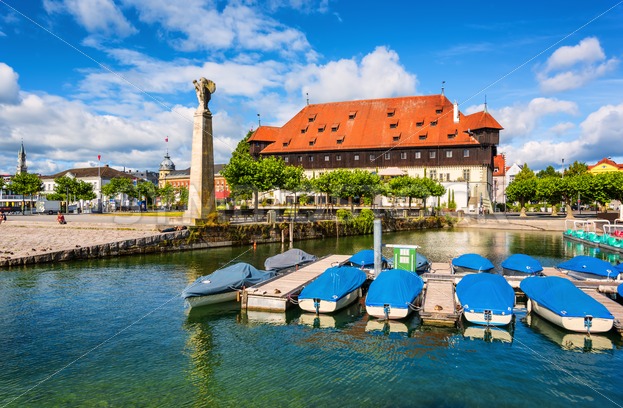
[
  {"x": 438, "y": 110},
  {"x": 286, "y": 159},
  {"x": 393, "y": 125},
  {"x": 403, "y": 155},
  {"x": 285, "y": 144},
  {"x": 451, "y": 135},
  {"x": 338, "y": 157},
  {"x": 449, "y": 154},
  {"x": 352, "y": 115},
  {"x": 312, "y": 117},
  {"x": 433, "y": 123},
  {"x": 432, "y": 154},
  {"x": 433, "y": 174},
  {"x": 466, "y": 174},
  {"x": 335, "y": 127},
  {"x": 423, "y": 137},
  {"x": 340, "y": 140},
  {"x": 356, "y": 157},
  {"x": 327, "y": 158},
  {"x": 300, "y": 159},
  {"x": 396, "y": 138},
  {"x": 391, "y": 112},
  {"x": 388, "y": 156},
  {"x": 371, "y": 157},
  {"x": 418, "y": 155},
  {"x": 312, "y": 142},
  {"x": 311, "y": 158},
  {"x": 304, "y": 129},
  {"x": 419, "y": 123},
  {"x": 321, "y": 128},
  {"x": 466, "y": 153}
]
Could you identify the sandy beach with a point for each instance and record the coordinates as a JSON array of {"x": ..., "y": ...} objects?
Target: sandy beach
[{"x": 33, "y": 235}]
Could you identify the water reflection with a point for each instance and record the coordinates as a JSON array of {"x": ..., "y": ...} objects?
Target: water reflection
[
  {"x": 573, "y": 248},
  {"x": 338, "y": 320},
  {"x": 579, "y": 342},
  {"x": 489, "y": 334}
]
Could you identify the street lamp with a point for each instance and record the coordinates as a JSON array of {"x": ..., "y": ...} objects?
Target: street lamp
[{"x": 99, "y": 184}]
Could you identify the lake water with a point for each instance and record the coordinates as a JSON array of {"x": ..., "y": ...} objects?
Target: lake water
[{"x": 115, "y": 333}]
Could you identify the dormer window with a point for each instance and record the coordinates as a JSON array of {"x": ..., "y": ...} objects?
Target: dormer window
[
  {"x": 335, "y": 127},
  {"x": 396, "y": 138},
  {"x": 312, "y": 142},
  {"x": 423, "y": 137},
  {"x": 391, "y": 112},
  {"x": 311, "y": 118},
  {"x": 352, "y": 115},
  {"x": 304, "y": 129},
  {"x": 340, "y": 140},
  {"x": 438, "y": 111},
  {"x": 393, "y": 125},
  {"x": 451, "y": 135},
  {"x": 419, "y": 123},
  {"x": 433, "y": 123},
  {"x": 321, "y": 128}
]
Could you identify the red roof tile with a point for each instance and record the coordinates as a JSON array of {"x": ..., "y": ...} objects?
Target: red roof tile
[
  {"x": 415, "y": 121},
  {"x": 608, "y": 161},
  {"x": 499, "y": 163}
]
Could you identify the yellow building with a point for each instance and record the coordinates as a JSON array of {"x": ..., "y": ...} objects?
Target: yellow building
[{"x": 605, "y": 165}]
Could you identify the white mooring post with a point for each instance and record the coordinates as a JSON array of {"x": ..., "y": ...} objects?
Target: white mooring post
[{"x": 378, "y": 231}]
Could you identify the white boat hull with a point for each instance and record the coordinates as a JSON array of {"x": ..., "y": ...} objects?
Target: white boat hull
[
  {"x": 327, "y": 306},
  {"x": 196, "y": 301},
  {"x": 575, "y": 324},
  {"x": 395, "y": 313},
  {"x": 496, "y": 319}
]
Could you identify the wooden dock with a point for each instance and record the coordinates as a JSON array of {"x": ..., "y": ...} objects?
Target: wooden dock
[
  {"x": 613, "y": 307},
  {"x": 439, "y": 306},
  {"x": 275, "y": 295}
]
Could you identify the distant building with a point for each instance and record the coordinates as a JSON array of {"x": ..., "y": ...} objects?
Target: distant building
[
  {"x": 21, "y": 161},
  {"x": 181, "y": 178},
  {"x": 605, "y": 165},
  {"x": 425, "y": 136},
  {"x": 499, "y": 179}
]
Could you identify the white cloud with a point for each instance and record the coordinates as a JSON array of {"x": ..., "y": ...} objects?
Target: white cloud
[
  {"x": 571, "y": 67},
  {"x": 601, "y": 135},
  {"x": 96, "y": 16},
  {"x": 562, "y": 128},
  {"x": 9, "y": 88},
  {"x": 378, "y": 75},
  {"x": 521, "y": 120}
]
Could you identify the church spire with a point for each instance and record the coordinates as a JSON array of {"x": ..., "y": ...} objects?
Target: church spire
[{"x": 21, "y": 161}]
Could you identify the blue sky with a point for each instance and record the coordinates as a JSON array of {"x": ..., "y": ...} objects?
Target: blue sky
[{"x": 80, "y": 78}]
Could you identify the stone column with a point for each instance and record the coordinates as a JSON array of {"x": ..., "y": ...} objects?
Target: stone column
[{"x": 201, "y": 198}]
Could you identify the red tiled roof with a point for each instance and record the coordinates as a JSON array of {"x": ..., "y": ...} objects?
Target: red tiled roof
[
  {"x": 415, "y": 121},
  {"x": 499, "y": 163},
  {"x": 608, "y": 161}
]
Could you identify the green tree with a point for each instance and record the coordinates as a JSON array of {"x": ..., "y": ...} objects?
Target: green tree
[
  {"x": 522, "y": 188},
  {"x": 431, "y": 188},
  {"x": 577, "y": 168},
  {"x": 612, "y": 186},
  {"x": 182, "y": 196},
  {"x": 64, "y": 188},
  {"x": 25, "y": 184},
  {"x": 119, "y": 186},
  {"x": 146, "y": 190},
  {"x": 548, "y": 172},
  {"x": 167, "y": 195},
  {"x": 548, "y": 189}
]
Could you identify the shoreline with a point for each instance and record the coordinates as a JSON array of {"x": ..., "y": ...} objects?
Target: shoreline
[{"x": 28, "y": 240}]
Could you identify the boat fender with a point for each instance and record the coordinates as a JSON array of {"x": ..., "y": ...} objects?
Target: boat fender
[
  {"x": 529, "y": 306},
  {"x": 317, "y": 305},
  {"x": 386, "y": 310}
]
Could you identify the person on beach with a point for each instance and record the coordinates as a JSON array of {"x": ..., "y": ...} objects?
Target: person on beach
[
  {"x": 61, "y": 218},
  {"x": 2, "y": 216}
]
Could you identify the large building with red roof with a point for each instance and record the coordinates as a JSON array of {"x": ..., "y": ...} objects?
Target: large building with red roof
[{"x": 425, "y": 136}]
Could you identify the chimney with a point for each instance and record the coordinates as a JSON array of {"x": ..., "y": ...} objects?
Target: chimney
[{"x": 456, "y": 112}]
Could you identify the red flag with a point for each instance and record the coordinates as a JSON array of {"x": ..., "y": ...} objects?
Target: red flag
[
  {"x": 99, "y": 156},
  {"x": 166, "y": 139}
]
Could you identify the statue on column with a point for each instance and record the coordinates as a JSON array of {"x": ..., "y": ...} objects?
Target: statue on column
[{"x": 204, "y": 88}]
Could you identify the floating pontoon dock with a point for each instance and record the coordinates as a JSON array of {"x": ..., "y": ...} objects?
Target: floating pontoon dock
[{"x": 275, "y": 295}]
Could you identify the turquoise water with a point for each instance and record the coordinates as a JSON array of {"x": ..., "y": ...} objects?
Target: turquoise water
[{"x": 116, "y": 333}]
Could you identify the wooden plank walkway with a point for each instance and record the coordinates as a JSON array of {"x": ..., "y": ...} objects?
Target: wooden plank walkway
[
  {"x": 439, "y": 306},
  {"x": 613, "y": 307},
  {"x": 274, "y": 295}
]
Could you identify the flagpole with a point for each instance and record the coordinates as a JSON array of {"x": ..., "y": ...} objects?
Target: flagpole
[{"x": 99, "y": 177}]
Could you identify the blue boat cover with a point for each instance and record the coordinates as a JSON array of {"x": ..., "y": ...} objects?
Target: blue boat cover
[
  {"x": 288, "y": 259},
  {"x": 227, "y": 279},
  {"x": 473, "y": 261},
  {"x": 620, "y": 290},
  {"x": 562, "y": 297},
  {"x": 365, "y": 258},
  {"x": 421, "y": 262},
  {"x": 589, "y": 264},
  {"x": 394, "y": 287},
  {"x": 485, "y": 291},
  {"x": 334, "y": 283},
  {"x": 522, "y": 263}
]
